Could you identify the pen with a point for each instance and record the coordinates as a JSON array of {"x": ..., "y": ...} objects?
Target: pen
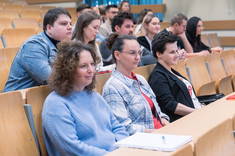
[{"x": 163, "y": 139}]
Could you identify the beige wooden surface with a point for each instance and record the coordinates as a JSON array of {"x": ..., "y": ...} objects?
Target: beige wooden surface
[
  {"x": 218, "y": 74},
  {"x": 16, "y": 136},
  {"x": 6, "y": 58},
  {"x": 29, "y": 23},
  {"x": 36, "y": 97},
  {"x": 15, "y": 37},
  {"x": 5, "y": 23},
  {"x": 214, "y": 118},
  {"x": 156, "y": 8},
  {"x": 181, "y": 68},
  {"x": 145, "y": 71},
  {"x": 200, "y": 76}
]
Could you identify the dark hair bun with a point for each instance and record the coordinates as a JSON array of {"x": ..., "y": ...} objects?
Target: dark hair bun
[{"x": 111, "y": 39}]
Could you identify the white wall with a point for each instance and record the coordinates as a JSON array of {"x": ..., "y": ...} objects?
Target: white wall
[{"x": 205, "y": 9}]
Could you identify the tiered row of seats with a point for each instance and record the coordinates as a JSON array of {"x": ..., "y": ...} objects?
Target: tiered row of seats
[
  {"x": 18, "y": 22},
  {"x": 211, "y": 73},
  {"x": 218, "y": 131}
]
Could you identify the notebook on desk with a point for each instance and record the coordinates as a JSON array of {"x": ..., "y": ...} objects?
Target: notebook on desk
[{"x": 153, "y": 141}]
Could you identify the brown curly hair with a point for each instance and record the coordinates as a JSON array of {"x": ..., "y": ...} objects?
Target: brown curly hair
[{"x": 65, "y": 64}]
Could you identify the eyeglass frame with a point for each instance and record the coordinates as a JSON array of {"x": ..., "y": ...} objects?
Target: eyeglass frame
[{"x": 133, "y": 53}]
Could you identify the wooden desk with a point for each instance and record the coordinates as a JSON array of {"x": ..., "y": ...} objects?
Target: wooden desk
[{"x": 195, "y": 124}]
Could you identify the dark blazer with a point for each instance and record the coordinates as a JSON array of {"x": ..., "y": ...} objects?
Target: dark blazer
[
  {"x": 169, "y": 90},
  {"x": 143, "y": 41}
]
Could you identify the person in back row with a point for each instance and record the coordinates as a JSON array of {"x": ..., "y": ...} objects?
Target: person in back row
[
  {"x": 81, "y": 8},
  {"x": 123, "y": 24},
  {"x": 178, "y": 27},
  {"x": 105, "y": 29},
  {"x": 86, "y": 29},
  {"x": 129, "y": 95},
  {"x": 150, "y": 27},
  {"x": 75, "y": 119},
  {"x": 142, "y": 14},
  {"x": 174, "y": 93},
  {"x": 32, "y": 64},
  {"x": 193, "y": 33}
]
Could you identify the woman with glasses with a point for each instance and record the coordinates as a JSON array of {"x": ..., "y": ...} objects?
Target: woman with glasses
[
  {"x": 193, "y": 32},
  {"x": 129, "y": 95},
  {"x": 174, "y": 93}
]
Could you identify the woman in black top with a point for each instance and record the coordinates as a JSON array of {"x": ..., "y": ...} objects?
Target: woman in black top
[{"x": 193, "y": 32}]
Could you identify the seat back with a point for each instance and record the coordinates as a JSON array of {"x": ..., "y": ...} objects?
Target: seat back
[
  {"x": 35, "y": 97},
  {"x": 214, "y": 40},
  {"x": 16, "y": 137},
  {"x": 145, "y": 71},
  {"x": 100, "y": 81},
  {"x": 9, "y": 14},
  {"x": 198, "y": 72},
  {"x": 32, "y": 7},
  {"x": 6, "y": 58},
  {"x": 15, "y": 37},
  {"x": 9, "y": 6},
  {"x": 181, "y": 68},
  {"x": 31, "y": 23},
  {"x": 5, "y": 23},
  {"x": 217, "y": 141},
  {"x": 31, "y": 14},
  {"x": 215, "y": 65},
  {"x": 229, "y": 61},
  {"x": 205, "y": 39},
  {"x": 164, "y": 25},
  {"x": 218, "y": 74}
]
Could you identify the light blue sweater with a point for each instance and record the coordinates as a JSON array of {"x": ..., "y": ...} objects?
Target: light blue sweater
[{"x": 79, "y": 124}]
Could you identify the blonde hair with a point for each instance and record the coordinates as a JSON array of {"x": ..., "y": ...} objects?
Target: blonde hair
[{"x": 147, "y": 19}]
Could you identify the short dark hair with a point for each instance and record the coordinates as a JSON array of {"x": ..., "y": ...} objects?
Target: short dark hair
[
  {"x": 110, "y": 6},
  {"x": 120, "y": 18},
  {"x": 52, "y": 15},
  {"x": 160, "y": 40},
  {"x": 82, "y": 6},
  {"x": 178, "y": 18},
  {"x": 116, "y": 42},
  {"x": 65, "y": 65}
]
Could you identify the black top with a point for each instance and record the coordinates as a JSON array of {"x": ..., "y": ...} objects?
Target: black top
[
  {"x": 169, "y": 90},
  {"x": 191, "y": 31},
  {"x": 143, "y": 41}
]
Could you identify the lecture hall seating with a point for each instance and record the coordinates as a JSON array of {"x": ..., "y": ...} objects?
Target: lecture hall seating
[
  {"x": 100, "y": 81},
  {"x": 218, "y": 74},
  {"x": 15, "y": 37},
  {"x": 200, "y": 77},
  {"x": 217, "y": 141},
  {"x": 181, "y": 68},
  {"x": 228, "y": 60},
  {"x": 35, "y": 97},
  {"x": 145, "y": 71},
  {"x": 5, "y": 23},
  {"x": 31, "y": 14},
  {"x": 9, "y": 13},
  {"x": 6, "y": 57},
  {"x": 26, "y": 23},
  {"x": 16, "y": 136}
]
